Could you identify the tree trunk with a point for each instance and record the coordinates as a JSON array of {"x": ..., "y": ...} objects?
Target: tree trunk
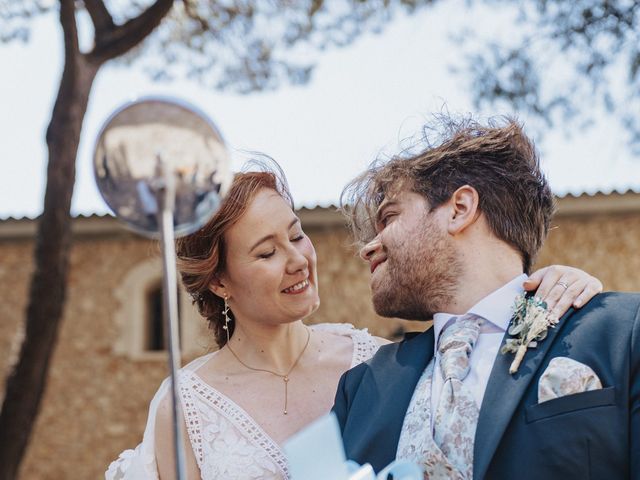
[{"x": 27, "y": 382}]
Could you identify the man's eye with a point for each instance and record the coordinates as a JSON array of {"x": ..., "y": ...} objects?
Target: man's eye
[
  {"x": 386, "y": 218},
  {"x": 267, "y": 254}
]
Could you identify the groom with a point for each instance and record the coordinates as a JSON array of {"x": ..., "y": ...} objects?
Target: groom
[{"x": 455, "y": 228}]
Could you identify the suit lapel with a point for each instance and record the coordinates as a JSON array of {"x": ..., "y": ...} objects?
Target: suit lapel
[{"x": 503, "y": 394}]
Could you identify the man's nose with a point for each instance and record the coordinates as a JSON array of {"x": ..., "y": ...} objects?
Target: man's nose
[{"x": 369, "y": 249}]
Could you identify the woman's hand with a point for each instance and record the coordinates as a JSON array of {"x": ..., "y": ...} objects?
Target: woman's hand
[{"x": 562, "y": 287}]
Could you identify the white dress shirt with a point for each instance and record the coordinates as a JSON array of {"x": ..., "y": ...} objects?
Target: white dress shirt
[{"x": 495, "y": 310}]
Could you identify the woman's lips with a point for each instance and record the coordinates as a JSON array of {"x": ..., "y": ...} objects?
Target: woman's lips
[{"x": 297, "y": 288}]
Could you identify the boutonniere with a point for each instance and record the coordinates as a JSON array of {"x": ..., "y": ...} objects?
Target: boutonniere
[{"x": 531, "y": 320}]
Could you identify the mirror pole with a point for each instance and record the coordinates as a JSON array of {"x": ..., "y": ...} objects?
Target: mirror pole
[
  {"x": 165, "y": 194},
  {"x": 163, "y": 168}
]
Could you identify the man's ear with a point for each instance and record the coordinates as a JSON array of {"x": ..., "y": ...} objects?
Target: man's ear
[
  {"x": 464, "y": 209},
  {"x": 218, "y": 287}
]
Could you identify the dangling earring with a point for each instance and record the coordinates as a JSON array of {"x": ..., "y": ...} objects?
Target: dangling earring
[{"x": 225, "y": 312}]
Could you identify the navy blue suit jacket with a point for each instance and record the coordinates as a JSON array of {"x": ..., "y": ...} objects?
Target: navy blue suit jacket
[{"x": 589, "y": 435}]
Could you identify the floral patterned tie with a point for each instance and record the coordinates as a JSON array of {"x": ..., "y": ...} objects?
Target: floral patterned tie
[{"x": 457, "y": 413}]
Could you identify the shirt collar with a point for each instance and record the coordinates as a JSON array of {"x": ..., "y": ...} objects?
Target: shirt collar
[{"x": 497, "y": 307}]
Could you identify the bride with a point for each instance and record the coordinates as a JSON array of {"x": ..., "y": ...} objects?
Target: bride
[{"x": 252, "y": 273}]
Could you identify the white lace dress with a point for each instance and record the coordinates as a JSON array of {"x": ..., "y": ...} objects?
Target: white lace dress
[{"x": 226, "y": 441}]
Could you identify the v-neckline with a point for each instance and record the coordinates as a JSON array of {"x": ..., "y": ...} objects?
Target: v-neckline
[
  {"x": 241, "y": 418},
  {"x": 244, "y": 422}
]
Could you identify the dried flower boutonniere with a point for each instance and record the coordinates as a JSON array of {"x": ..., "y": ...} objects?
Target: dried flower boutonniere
[{"x": 531, "y": 320}]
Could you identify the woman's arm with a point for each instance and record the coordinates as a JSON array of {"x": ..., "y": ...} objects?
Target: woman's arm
[{"x": 163, "y": 435}]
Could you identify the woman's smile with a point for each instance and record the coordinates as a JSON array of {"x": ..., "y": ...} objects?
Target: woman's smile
[{"x": 297, "y": 288}]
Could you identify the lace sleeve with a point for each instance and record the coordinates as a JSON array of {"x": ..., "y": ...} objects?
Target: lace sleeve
[
  {"x": 364, "y": 344},
  {"x": 136, "y": 464},
  {"x": 140, "y": 463}
]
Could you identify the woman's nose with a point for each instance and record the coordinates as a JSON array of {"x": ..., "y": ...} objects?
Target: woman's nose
[{"x": 297, "y": 261}]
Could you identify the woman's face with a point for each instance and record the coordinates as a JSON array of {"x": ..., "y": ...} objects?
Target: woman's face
[{"x": 270, "y": 272}]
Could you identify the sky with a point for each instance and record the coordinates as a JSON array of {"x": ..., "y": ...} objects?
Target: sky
[{"x": 362, "y": 101}]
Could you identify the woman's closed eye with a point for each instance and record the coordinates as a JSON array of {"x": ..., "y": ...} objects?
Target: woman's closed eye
[
  {"x": 272, "y": 252},
  {"x": 267, "y": 254}
]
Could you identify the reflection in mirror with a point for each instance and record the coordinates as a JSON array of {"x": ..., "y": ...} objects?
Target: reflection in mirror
[{"x": 156, "y": 150}]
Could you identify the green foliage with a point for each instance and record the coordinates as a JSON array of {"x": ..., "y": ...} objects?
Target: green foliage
[
  {"x": 251, "y": 45},
  {"x": 239, "y": 45},
  {"x": 568, "y": 57},
  {"x": 15, "y": 16}
]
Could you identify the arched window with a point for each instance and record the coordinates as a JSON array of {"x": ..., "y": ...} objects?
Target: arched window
[
  {"x": 155, "y": 337},
  {"x": 139, "y": 316},
  {"x": 154, "y": 322}
]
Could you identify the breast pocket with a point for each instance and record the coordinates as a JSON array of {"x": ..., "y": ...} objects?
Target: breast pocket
[{"x": 571, "y": 403}]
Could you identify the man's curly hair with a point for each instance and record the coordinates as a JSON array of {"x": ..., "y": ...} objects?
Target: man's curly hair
[{"x": 496, "y": 159}]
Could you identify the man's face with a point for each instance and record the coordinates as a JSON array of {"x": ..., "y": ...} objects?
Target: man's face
[{"x": 414, "y": 265}]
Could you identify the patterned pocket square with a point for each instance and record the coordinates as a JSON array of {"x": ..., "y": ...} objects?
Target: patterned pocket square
[{"x": 565, "y": 376}]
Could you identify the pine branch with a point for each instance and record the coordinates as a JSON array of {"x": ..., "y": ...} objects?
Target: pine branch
[
  {"x": 69, "y": 27},
  {"x": 100, "y": 16},
  {"x": 123, "y": 38}
]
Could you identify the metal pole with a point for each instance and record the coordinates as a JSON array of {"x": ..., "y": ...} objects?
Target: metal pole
[{"x": 166, "y": 201}]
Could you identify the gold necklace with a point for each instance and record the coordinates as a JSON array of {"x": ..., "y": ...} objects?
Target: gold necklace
[{"x": 285, "y": 377}]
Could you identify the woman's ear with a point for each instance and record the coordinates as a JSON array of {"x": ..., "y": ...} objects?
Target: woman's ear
[
  {"x": 218, "y": 287},
  {"x": 464, "y": 209}
]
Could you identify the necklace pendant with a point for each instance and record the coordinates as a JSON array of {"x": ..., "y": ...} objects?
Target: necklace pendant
[{"x": 285, "y": 379}]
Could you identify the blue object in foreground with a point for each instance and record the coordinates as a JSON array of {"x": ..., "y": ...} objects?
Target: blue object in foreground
[{"x": 317, "y": 453}]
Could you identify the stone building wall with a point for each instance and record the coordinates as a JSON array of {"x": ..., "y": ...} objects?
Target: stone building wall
[
  {"x": 93, "y": 398},
  {"x": 606, "y": 245},
  {"x": 96, "y": 399}
]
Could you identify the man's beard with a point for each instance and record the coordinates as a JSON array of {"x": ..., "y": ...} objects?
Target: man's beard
[{"x": 421, "y": 276}]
